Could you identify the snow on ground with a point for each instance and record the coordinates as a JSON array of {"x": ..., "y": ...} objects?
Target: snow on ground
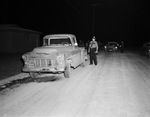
[{"x": 119, "y": 86}]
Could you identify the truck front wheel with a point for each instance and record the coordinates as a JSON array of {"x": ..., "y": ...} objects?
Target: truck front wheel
[{"x": 67, "y": 71}]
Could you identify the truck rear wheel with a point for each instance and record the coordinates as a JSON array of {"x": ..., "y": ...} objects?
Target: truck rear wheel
[{"x": 67, "y": 71}]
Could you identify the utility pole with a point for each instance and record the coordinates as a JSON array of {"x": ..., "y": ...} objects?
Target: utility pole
[{"x": 93, "y": 17}]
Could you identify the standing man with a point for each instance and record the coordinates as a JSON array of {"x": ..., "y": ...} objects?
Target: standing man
[
  {"x": 93, "y": 50},
  {"x": 122, "y": 47}
]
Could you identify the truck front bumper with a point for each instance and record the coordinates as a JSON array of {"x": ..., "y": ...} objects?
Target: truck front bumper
[{"x": 43, "y": 69}]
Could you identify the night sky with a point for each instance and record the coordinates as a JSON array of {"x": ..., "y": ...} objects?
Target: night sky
[{"x": 114, "y": 20}]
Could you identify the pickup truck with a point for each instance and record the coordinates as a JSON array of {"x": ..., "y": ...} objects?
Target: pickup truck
[{"x": 58, "y": 54}]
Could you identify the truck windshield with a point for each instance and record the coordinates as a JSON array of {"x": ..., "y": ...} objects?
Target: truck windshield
[
  {"x": 60, "y": 41},
  {"x": 57, "y": 41}
]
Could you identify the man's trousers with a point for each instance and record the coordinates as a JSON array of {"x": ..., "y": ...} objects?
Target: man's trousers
[{"x": 93, "y": 56}]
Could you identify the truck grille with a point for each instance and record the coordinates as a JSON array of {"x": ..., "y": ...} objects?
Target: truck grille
[{"x": 42, "y": 62}]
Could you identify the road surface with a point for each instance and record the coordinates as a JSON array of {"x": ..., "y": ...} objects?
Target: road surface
[{"x": 119, "y": 86}]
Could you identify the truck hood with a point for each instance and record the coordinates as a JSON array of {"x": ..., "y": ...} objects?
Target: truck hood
[{"x": 50, "y": 50}]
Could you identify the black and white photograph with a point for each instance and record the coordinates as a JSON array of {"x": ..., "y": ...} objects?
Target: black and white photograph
[{"x": 74, "y": 58}]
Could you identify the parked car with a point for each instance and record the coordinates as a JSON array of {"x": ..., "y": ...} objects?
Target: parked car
[
  {"x": 145, "y": 49},
  {"x": 58, "y": 54},
  {"x": 111, "y": 46}
]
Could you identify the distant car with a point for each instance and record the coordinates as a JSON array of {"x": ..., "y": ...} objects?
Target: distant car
[
  {"x": 145, "y": 49},
  {"x": 111, "y": 46}
]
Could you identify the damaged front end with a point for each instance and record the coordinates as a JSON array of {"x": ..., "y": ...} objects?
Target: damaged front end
[{"x": 44, "y": 62}]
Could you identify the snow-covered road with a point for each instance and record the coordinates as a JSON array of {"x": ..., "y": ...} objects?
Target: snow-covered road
[{"x": 119, "y": 86}]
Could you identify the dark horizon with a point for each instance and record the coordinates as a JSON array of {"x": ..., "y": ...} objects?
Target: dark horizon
[{"x": 116, "y": 20}]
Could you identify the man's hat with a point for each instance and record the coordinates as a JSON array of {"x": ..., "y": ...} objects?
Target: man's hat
[{"x": 93, "y": 37}]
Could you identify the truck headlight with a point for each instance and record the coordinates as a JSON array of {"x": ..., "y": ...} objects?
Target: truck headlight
[{"x": 25, "y": 58}]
